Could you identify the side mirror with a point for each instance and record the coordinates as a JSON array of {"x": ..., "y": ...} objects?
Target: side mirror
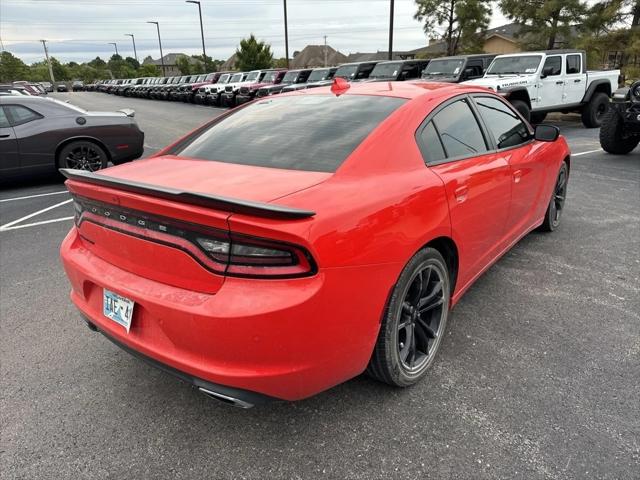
[
  {"x": 546, "y": 133},
  {"x": 546, "y": 71}
]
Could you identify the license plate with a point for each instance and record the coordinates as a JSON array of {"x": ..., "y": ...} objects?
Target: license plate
[{"x": 118, "y": 308}]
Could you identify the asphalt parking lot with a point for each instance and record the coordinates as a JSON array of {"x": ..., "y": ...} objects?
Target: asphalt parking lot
[{"x": 538, "y": 377}]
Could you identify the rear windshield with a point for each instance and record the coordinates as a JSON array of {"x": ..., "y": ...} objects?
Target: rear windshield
[{"x": 270, "y": 133}]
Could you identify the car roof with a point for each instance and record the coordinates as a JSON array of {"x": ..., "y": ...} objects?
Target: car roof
[
  {"x": 407, "y": 89},
  {"x": 461, "y": 57}
]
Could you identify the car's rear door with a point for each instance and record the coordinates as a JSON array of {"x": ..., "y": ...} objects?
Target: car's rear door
[
  {"x": 575, "y": 78},
  {"x": 477, "y": 182},
  {"x": 9, "y": 157},
  {"x": 514, "y": 143}
]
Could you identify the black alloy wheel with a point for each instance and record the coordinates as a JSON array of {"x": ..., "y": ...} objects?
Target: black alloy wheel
[
  {"x": 83, "y": 155},
  {"x": 421, "y": 319},
  {"x": 414, "y": 321},
  {"x": 556, "y": 204}
]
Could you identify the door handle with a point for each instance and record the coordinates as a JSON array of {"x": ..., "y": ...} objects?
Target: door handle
[
  {"x": 517, "y": 176},
  {"x": 461, "y": 193},
  {"x": 577, "y": 80},
  {"x": 5, "y": 136},
  {"x": 559, "y": 82}
]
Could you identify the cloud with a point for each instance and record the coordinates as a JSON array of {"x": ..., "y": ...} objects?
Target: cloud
[{"x": 80, "y": 30}]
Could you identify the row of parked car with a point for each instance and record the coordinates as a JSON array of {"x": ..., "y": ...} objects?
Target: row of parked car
[
  {"x": 229, "y": 89},
  {"x": 536, "y": 83}
]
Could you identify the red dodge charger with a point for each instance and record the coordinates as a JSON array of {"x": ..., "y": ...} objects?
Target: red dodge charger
[{"x": 300, "y": 240}]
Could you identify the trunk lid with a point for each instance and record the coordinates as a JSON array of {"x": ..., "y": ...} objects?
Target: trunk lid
[{"x": 146, "y": 216}]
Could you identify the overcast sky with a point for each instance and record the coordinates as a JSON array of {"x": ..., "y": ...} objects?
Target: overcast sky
[{"x": 80, "y": 29}]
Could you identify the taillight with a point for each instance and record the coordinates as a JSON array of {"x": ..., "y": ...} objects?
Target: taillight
[{"x": 220, "y": 251}]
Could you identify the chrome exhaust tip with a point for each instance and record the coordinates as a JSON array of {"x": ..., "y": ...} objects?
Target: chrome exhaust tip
[{"x": 234, "y": 402}]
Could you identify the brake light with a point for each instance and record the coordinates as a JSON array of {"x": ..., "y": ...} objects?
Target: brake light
[{"x": 217, "y": 250}]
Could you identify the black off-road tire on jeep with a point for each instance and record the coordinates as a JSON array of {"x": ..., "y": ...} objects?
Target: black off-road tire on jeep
[
  {"x": 612, "y": 139},
  {"x": 522, "y": 107},
  {"x": 593, "y": 112}
]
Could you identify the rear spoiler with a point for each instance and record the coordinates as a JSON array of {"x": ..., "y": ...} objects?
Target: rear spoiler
[{"x": 233, "y": 205}]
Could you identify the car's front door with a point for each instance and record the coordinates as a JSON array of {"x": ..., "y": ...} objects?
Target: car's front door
[
  {"x": 34, "y": 137},
  {"x": 9, "y": 157},
  {"x": 514, "y": 143},
  {"x": 551, "y": 87},
  {"x": 476, "y": 180}
]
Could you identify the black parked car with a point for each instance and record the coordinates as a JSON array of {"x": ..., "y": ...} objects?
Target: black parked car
[
  {"x": 396, "y": 70},
  {"x": 317, "y": 75},
  {"x": 61, "y": 87},
  {"x": 77, "y": 86},
  {"x": 350, "y": 72},
  {"x": 457, "y": 69},
  {"x": 291, "y": 77},
  {"x": 39, "y": 135}
]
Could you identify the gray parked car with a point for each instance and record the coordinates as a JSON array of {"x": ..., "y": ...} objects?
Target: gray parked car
[{"x": 39, "y": 135}]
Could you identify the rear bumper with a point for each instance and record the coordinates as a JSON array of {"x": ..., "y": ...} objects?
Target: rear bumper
[
  {"x": 286, "y": 339},
  {"x": 234, "y": 396}
]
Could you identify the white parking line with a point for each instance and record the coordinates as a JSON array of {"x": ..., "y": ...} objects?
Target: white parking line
[
  {"x": 31, "y": 215},
  {"x": 32, "y": 196},
  {"x": 586, "y": 153},
  {"x": 35, "y": 224}
]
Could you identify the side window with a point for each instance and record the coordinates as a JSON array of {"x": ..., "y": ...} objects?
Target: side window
[
  {"x": 432, "y": 147},
  {"x": 473, "y": 70},
  {"x": 552, "y": 66},
  {"x": 504, "y": 124},
  {"x": 573, "y": 64},
  {"x": 459, "y": 130},
  {"x": 4, "y": 121},
  {"x": 19, "y": 114}
]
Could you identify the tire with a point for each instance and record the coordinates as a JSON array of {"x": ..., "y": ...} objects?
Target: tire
[
  {"x": 522, "y": 108},
  {"x": 538, "y": 117},
  {"x": 611, "y": 137},
  {"x": 82, "y": 155},
  {"x": 404, "y": 330},
  {"x": 594, "y": 111},
  {"x": 556, "y": 203}
]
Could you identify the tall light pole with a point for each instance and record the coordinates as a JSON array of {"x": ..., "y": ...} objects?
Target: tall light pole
[
  {"x": 133, "y": 39},
  {"x": 391, "y": 31},
  {"x": 46, "y": 54},
  {"x": 325, "y": 50},
  {"x": 286, "y": 34},
  {"x": 115, "y": 45},
  {"x": 157, "y": 24},
  {"x": 204, "y": 53}
]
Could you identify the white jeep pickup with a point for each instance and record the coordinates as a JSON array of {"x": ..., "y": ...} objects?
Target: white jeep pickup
[{"x": 537, "y": 83}]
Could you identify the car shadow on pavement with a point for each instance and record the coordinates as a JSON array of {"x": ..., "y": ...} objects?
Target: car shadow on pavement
[{"x": 51, "y": 179}]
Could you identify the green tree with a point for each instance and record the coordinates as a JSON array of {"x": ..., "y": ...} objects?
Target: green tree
[
  {"x": 60, "y": 71},
  {"x": 253, "y": 55},
  {"x": 39, "y": 72},
  {"x": 280, "y": 63},
  {"x": 132, "y": 62},
  {"x": 545, "y": 22},
  {"x": 183, "y": 64},
  {"x": 462, "y": 20},
  {"x": 149, "y": 70},
  {"x": 12, "y": 68}
]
